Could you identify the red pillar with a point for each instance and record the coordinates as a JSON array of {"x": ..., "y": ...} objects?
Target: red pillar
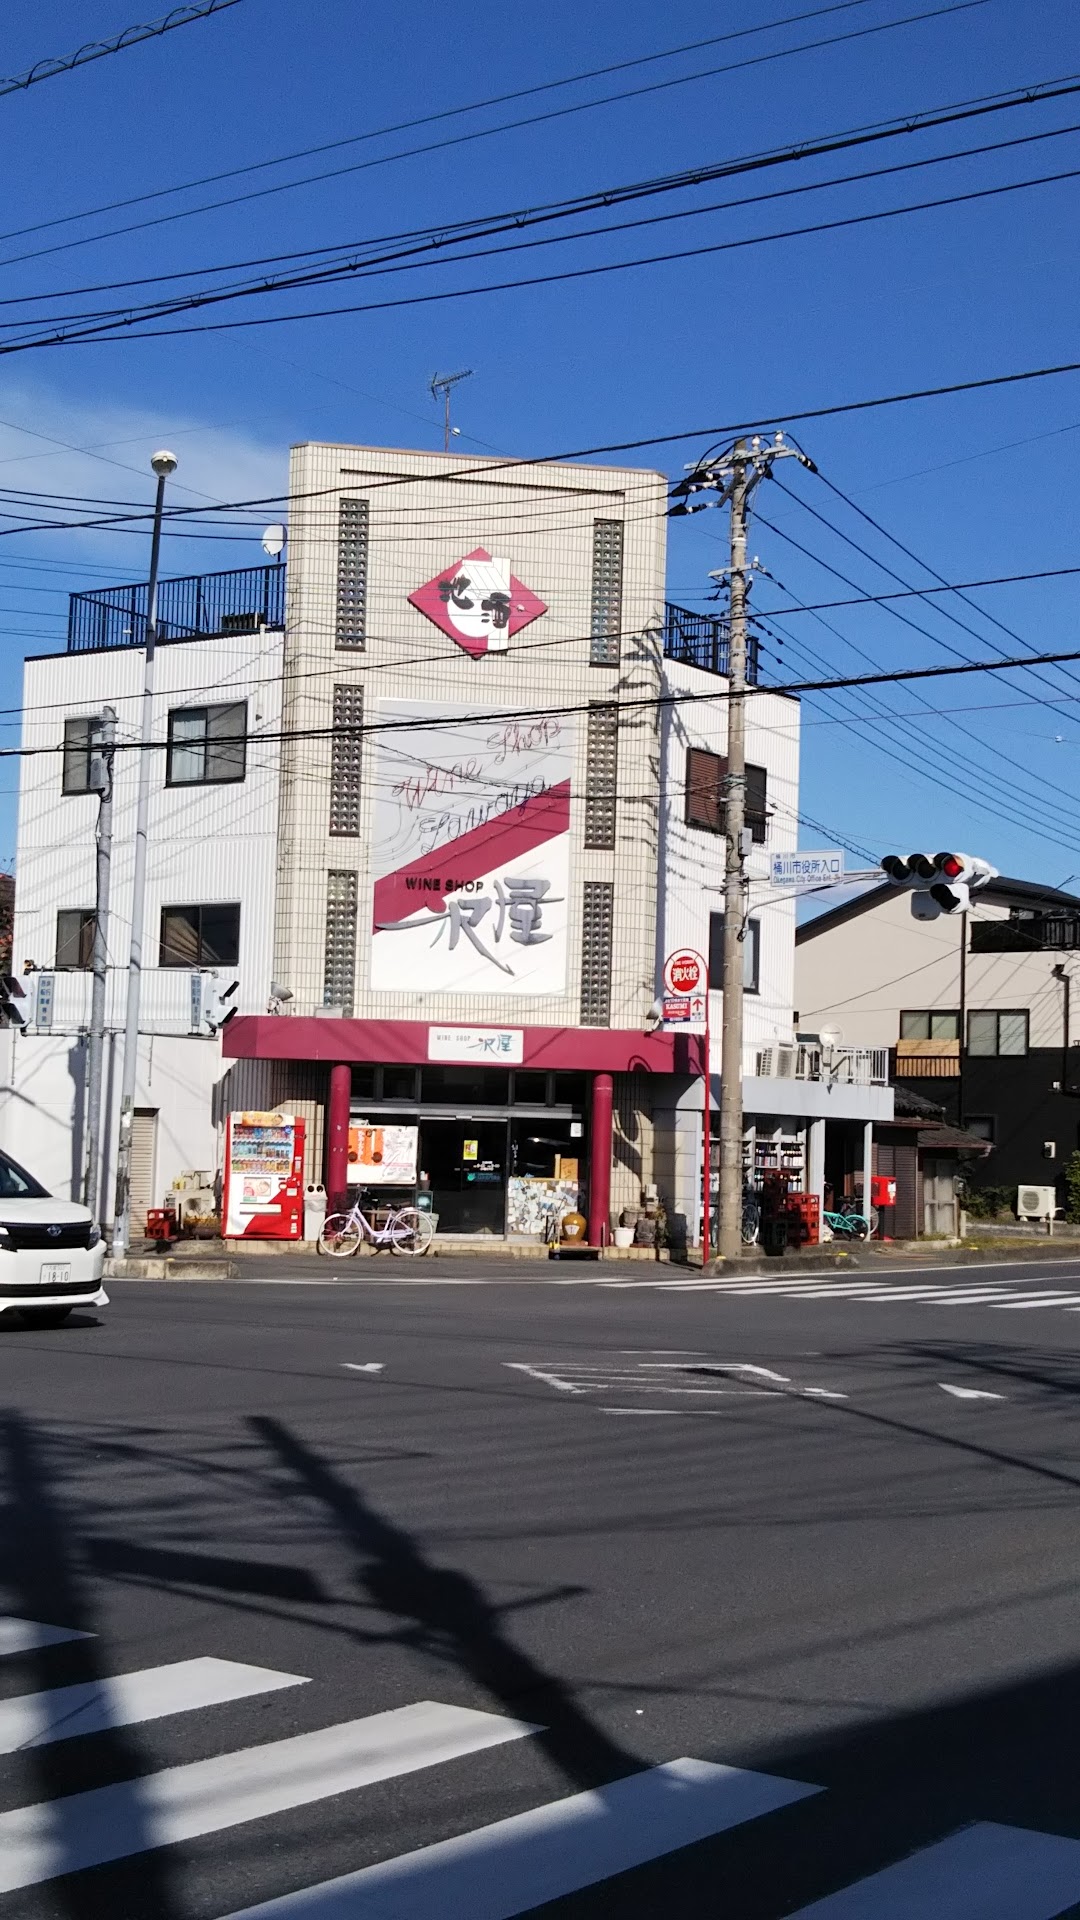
[
  {"x": 337, "y": 1139},
  {"x": 600, "y": 1161}
]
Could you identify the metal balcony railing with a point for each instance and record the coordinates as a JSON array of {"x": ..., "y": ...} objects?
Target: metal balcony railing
[
  {"x": 701, "y": 640},
  {"x": 844, "y": 1066},
  {"x": 197, "y": 607}
]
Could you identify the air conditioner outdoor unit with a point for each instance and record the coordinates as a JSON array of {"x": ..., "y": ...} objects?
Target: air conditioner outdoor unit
[
  {"x": 785, "y": 1063},
  {"x": 1036, "y": 1203}
]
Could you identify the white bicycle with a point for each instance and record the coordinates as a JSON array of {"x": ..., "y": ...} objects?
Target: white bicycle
[{"x": 405, "y": 1230}]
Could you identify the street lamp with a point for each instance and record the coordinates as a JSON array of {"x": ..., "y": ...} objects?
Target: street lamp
[{"x": 163, "y": 463}]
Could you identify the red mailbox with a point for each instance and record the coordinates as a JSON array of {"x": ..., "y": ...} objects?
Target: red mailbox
[{"x": 882, "y": 1190}]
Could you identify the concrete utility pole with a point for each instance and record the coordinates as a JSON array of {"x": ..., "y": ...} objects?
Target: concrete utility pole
[
  {"x": 734, "y": 792},
  {"x": 733, "y": 476},
  {"x": 163, "y": 464},
  {"x": 101, "y": 780}
]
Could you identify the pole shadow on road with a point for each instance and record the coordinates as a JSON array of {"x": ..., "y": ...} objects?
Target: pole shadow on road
[{"x": 445, "y": 1614}]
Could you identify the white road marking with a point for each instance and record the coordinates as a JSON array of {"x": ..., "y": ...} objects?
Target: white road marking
[
  {"x": 25, "y": 1636},
  {"x": 126, "y": 1699},
  {"x": 364, "y": 1366},
  {"x": 968, "y": 1393},
  {"x": 516, "y": 1865},
  {"x": 650, "y": 1413},
  {"x": 1034, "y": 1300},
  {"x": 207, "y": 1796},
  {"x": 985, "y": 1872},
  {"x": 822, "y": 1393},
  {"x": 549, "y": 1379}
]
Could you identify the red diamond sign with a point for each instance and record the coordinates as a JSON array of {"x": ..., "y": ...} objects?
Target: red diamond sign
[{"x": 479, "y": 603}]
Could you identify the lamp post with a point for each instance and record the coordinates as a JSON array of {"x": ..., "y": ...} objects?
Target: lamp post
[{"x": 163, "y": 463}]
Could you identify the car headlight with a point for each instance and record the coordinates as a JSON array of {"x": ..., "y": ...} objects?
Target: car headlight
[{"x": 93, "y": 1237}]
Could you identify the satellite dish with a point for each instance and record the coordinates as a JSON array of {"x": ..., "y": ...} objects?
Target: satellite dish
[
  {"x": 273, "y": 541},
  {"x": 831, "y": 1036}
]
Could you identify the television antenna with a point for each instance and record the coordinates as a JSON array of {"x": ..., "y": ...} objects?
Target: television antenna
[{"x": 442, "y": 383}]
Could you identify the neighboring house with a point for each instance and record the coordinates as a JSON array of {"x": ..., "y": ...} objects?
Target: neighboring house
[
  {"x": 212, "y": 852},
  {"x": 976, "y": 1010}
]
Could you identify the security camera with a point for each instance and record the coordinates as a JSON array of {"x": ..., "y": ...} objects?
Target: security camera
[{"x": 163, "y": 462}]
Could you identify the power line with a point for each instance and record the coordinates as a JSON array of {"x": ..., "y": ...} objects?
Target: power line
[
  {"x": 427, "y": 119},
  {"x": 925, "y": 593},
  {"x": 98, "y": 49},
  {"x": 488, "y": 225},
  {"x": 558, "y": 113},
  {"x": 76, "y": 336}
]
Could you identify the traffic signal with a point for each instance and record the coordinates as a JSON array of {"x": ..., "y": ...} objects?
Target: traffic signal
[
  {"x": 10, "y": 991},
  {"x": 941, "y": 882}
]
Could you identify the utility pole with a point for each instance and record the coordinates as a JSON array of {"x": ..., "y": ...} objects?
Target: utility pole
[
  {"x": 101, "y": 780},
  {"x": 733, "y": 477},
  {"x": 735, "y": 852},
  {"x": 163, "y": 464}
]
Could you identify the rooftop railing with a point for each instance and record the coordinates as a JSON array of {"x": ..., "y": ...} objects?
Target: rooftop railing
[
  {"x": 701, "y": 640},
  {"x": 200, "y": 606},
  {"x": 801, "y": 1060}
]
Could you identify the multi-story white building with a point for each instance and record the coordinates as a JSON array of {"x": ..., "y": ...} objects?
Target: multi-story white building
[
  {"x": 211, "y": 871},
  {"x": 459, "y": 811},
  {"x": 500, "y": 810}
]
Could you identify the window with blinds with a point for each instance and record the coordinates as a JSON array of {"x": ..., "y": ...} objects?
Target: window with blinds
[
  {"x": 339, "y": 975},
  {"x": 345, "y": 759},
  {"x": 352, "y": 573},
  {"x": 705, "y": 776},
  {"x": 597, "y": 922},
  {"x": 607, "y": 578},
  {"x": 601, "y": 774}
]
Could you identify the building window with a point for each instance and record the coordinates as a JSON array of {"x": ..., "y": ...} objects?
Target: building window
[
  {"x": 994, "y": 1034},
  {"x": 607, "y": 572},
  {"x": 981, "y": 1125},
  {"x": 207, "y": 745},
  {"x": 339, "y": 974},
  {"x": 345, "y": 759},
  {"x": 705, "y": 776},
  {"x": 82, "y": 739},
  {"x": 601, "y": 774},
  {"x": 929, "y": 1025},
  {"x": 200, "y": 936},
  {"x": 75, "y": 937},
  {"x": 596, "y": 929},
  {"x": 751, "y": 946},
  {"x": 352, "y": 574}
]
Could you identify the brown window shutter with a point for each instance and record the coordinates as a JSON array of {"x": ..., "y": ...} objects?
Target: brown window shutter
[{"x": 705, "y": 774}]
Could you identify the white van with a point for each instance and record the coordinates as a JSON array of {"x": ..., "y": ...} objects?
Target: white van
[{"x": 52, "y": 1255}]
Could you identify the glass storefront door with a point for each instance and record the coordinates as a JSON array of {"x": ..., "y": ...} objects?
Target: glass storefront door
[{"x": 465, "y": 1161}]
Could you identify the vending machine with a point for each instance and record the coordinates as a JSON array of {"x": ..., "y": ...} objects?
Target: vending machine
[{"x": 263, "y": 1196}]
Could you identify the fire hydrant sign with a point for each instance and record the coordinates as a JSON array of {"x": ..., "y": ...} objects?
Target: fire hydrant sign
[
  {"x": 683, "y": 1001},
  {"x": 684, "y": 972}
]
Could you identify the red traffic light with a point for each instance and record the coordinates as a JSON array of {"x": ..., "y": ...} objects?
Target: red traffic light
[{"x": 950, "y": 864}]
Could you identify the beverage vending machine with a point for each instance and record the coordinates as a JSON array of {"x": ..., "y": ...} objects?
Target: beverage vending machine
[{"x": 263, "y": 1197}]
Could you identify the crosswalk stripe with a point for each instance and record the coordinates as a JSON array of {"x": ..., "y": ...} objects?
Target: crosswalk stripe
[
  {"x": 206, "y": 1796},
  {"x": 126, "y": 1699},
  {"x": 25, "y": 1636},
  {"x": 985, "y": 1872},
  {"x": 519, "y": 1864}
]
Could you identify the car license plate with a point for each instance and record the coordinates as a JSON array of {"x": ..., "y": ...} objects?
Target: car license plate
[{"x": 55, "y": 1272}]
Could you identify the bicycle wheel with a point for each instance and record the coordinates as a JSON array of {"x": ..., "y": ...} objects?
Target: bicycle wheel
[
  {"x": 340, "y": 1236},
  {"x": 751, "y": 1222},
  {"x": 412, "y": 1231},
  {"x": 858, "y": 1226}
]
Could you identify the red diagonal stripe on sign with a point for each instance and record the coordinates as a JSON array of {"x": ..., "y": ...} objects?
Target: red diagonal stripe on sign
[{"x": 497, "y": 843}]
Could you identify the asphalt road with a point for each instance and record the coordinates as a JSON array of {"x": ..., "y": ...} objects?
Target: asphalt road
[{"x": 769, "y": 1535}]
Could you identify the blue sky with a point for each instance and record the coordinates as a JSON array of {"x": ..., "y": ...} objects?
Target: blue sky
[{"x": 976, "y": 486}]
